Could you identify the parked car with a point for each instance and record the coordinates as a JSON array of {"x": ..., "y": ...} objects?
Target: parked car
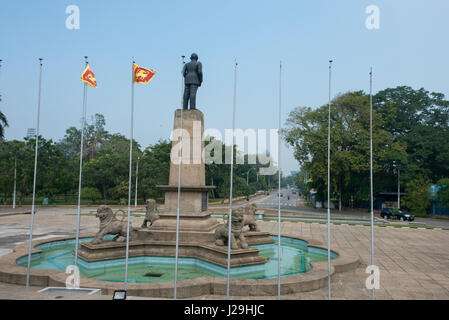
[{"x": 402, "y": 215}]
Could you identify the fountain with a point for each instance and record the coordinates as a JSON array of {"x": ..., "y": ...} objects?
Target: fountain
[
  {"x": 203, "y": 244},
  {"x": 197, "y": 228}
]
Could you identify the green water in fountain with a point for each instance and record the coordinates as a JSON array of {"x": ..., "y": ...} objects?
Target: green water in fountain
[{"x": 296, "y": 257}]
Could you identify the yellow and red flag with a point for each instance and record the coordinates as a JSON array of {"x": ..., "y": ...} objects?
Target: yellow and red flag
[
  {"x": 142, "y": 75},
  {"x": 89, "y": 77}
]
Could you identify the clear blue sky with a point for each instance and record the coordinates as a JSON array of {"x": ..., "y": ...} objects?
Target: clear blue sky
[{"x": 410, "y": 48}]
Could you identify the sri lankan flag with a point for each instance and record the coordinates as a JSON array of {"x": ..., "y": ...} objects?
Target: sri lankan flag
[
  {"x": 142, "y": 75},
  {"x": 88, "y": 77}
]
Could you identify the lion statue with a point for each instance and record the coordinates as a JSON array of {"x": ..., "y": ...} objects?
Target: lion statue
[
  {"x": 151, "y": 214},
  {"x": 248, "y": 217},
  {"x": 237, "y": 238},
  {"x": 109, "y": 224}
]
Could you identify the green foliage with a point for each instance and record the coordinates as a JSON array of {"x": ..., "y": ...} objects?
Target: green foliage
[
  {"x": 419, "y": 120},
  {"x": 154, "y": 168},
  {"x": 108, "y": 171},
  {"x": 307, "y": 132},
  {"x": 90, "y": 193},
  {"x": 410, "y": 133},
  {"x": 219, "y": 176},
  {"x": 3, "y": 124},
  {"x": 443, "y": 193},
  {"x": 417, "y": 196}
]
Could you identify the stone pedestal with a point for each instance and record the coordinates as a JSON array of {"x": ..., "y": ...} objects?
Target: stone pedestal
[
  {"x": 194, "y": 192},
  {"x": 196, "y": 225}
]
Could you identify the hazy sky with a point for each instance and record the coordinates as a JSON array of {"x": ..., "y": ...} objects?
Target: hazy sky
[{"x": 410, "y": 48}]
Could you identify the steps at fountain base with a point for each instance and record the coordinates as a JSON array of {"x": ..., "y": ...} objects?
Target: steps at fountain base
[{"x": 109, "y": 250}]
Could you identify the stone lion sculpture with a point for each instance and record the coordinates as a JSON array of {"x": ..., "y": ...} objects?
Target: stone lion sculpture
[
  {"x": 237, "y": 238},
  {"x": 109, "y": 224},
  {"x": 248, "y": 217},
  {"x": 151, "y": 214}
]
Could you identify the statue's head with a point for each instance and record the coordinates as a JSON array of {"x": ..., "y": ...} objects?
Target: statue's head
[
  {"x": 104, "y": 212},
  {"x": 194, "y": 56},
  {"x": 150, "y": 205},
  {"x": 251, "y": 208},
  {"x": 237, "y": 220}
]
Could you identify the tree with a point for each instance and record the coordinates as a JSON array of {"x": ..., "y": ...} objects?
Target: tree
[
  {"x": 154, "y": 169},
  {"x": 52, "y": 177},
  {"x": 110, "y": 167},
  {"x": 307, "y": 132},
  {"x": 3, "y": 124},
  {"x": 94, "y": 138},
  {"x": 96, "y": 135},
  {"x": 417, "y": 196},
  {"x": 91, "y": 193},
  {"x": 420, "y": 121},
  {"x": 443, "y": 192}
]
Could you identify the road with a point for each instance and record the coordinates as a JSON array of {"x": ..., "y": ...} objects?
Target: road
[{"x": 294, "y": 204}]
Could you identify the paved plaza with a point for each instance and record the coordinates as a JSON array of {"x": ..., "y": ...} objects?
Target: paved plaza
[{"x": 414, "y": 263}]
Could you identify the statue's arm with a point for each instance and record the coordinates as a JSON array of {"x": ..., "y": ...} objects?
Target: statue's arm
[
  {"x": 183, "y": 72},
  {"x": 200, "y": 72}
]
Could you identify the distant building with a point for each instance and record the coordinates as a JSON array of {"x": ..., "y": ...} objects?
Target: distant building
[{"x": 31, "y": 133}]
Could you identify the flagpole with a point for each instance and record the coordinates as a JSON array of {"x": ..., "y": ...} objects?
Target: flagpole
[
  {"x": 228, "y": 278},
  {"x": 30, "y": 244},
  {"x": 129, "y": 180},
  {"x": 371, "y": 178},
  {"x": 137, "y": 178},
  {"x": 179, "y": 190},
  {"x": 78, "y": 217},
  {"x": 279, "y": 182},
  {"x": 329, "y": 188}
]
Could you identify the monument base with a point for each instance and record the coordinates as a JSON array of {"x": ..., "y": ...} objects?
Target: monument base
[
  {"x": 192, "y": 244},
  {"x": 211, "y": 253},
  {"x": 201, "y": 222}
]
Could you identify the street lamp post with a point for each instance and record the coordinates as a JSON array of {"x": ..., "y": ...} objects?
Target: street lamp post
[{"x": 247, "y": 175}]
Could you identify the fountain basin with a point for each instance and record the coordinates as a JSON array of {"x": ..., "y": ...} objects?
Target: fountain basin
[
  {"x": 296, "y": 257},
  {"x": 314, "y": 278}
]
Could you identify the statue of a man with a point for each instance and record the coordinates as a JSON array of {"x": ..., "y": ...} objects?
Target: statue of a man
[{"x": 193, "y": 77}]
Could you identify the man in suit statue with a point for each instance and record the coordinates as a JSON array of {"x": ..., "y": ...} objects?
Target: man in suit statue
[{"x": 193, "y": 77}]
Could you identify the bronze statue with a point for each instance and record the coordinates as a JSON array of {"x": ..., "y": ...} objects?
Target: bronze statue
[{"x": 193, "y": 77}]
